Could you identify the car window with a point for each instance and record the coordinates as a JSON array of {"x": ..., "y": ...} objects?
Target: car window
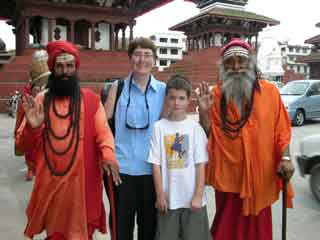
[
  {"x": 294, "y": 88},
  {"x": 314, "y": 89}
]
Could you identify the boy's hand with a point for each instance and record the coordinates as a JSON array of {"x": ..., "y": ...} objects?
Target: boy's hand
[
  {"x": 196, "y": 203},
  {"x": 161, "y": 203}
]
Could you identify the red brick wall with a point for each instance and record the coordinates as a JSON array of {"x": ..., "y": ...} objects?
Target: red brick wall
[
  {"x": 197, "y": 66},
  {"x": 97, "y": 66}
]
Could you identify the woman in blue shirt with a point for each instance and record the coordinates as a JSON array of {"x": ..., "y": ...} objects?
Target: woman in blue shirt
[{"x": 138, "y": 107}]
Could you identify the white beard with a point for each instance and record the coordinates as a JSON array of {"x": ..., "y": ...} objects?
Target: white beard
[{"x": 237, "y": 86}]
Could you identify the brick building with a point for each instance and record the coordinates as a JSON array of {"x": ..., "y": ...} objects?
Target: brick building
[
  {"x": 313, "y": 60},
  {"x": 291, "y": 54}
]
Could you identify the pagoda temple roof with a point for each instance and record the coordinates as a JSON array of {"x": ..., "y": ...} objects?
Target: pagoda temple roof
[
  {"x": 227, "y": 13},
  {"x": 313, "y": 40},
  {"x": 138, "y": 7},
  {"x": 204, "y": 3}
]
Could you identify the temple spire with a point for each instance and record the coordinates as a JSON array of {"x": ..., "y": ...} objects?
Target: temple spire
[{"x": 206, "y": 3}]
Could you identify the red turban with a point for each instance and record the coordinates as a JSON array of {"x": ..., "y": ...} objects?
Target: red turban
[
  {"x": 236, "y": 42},
  {"x": 57, "y": 47}
]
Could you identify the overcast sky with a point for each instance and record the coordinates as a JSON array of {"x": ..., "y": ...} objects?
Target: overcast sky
[{"x": 298, "y": 18}]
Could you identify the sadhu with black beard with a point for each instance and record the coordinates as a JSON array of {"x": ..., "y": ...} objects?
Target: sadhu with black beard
[
  {"x": 76, "y": 144},
  {"x": 249, "y": 135}
]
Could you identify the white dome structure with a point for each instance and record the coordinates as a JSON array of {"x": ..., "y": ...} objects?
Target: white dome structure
[{"x": 269, "y": 55}]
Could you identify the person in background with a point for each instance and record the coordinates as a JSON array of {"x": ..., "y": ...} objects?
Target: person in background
[{"x": 39, "y": 73}]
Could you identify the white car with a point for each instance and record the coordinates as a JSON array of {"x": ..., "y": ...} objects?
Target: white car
[{"x": 309, "y": 162}]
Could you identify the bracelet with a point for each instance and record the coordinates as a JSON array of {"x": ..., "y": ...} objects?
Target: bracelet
[{"x": 285, "y": 158}]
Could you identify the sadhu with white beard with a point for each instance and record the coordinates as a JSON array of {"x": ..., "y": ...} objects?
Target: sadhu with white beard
[{"x": 249, "y": 134}]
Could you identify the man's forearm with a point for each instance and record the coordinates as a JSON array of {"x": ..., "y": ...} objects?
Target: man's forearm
[
  {"x": 286, "y": 153},
  {"x": 204, "y": 119}
]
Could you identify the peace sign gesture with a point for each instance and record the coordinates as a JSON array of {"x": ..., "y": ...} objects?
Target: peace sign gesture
[{"x": 33, "y": 110}]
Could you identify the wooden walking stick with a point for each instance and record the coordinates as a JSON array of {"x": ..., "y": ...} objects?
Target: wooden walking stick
[{"x": 284, "y": 207}]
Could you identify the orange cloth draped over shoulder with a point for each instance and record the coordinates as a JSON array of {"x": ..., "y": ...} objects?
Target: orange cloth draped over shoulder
[
  {"x": 70, "y": 205},
  {"x": 248, "y": 164}
]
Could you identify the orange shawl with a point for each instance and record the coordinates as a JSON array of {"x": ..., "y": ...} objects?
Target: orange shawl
[{"x": 247, "y": 165}]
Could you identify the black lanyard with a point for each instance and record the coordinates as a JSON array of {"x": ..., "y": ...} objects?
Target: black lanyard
[{"x": 146, "y": 102}]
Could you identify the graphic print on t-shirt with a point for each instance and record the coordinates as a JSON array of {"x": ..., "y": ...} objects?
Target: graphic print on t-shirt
[{"x": 176, "y": 150}]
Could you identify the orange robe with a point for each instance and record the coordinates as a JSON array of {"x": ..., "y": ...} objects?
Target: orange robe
[
  {"x": 70, "y": 205},
  {"x": 247, "y": 165}
]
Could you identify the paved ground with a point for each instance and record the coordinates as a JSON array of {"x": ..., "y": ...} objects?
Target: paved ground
[{"x": 303, "y": 220}]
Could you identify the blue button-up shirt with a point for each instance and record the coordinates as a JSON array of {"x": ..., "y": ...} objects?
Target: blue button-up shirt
[{"x": 132, "y": 145}]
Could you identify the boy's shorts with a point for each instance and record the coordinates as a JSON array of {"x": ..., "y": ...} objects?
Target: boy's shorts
[{"x": 183, "y": 224}]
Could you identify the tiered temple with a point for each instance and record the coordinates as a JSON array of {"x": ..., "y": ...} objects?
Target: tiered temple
[
  {"x": 92, "y": 24},
  {"x": 217, "y": 23},
  {"x": 98, "y": 27},
  {"x": 221, "y": 20}
]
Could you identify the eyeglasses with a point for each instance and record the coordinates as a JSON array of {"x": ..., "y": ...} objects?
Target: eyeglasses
[
  {"x": 146, "y": 126},
  {"x": 143, "y": 55}
]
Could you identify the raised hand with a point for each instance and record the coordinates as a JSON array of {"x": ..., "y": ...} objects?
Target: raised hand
[
  {"x": 34, "y": 111},
  {"x": 204, "y": 97},
  {"x": 205, "y": 102}
]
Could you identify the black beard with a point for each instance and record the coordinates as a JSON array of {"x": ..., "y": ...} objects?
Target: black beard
[{"x": 62, "y": 85}]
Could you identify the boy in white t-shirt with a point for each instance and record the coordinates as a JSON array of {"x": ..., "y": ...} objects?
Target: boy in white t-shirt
[{"x": 179, "y": 153}]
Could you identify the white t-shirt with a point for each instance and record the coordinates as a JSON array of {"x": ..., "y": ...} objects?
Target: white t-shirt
[{"x": 177, "y": 146}]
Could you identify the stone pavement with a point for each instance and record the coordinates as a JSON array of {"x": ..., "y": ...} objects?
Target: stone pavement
[{"x": 303, "y": 220}]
